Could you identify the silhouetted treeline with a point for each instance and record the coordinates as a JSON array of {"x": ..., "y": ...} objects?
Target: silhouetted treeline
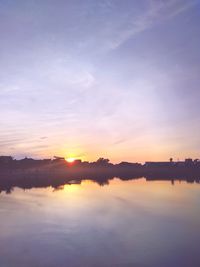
[{"x": 28, "y": 173}]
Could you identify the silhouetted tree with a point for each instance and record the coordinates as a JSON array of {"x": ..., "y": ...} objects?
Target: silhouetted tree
[{"x": 102, "y": 161}]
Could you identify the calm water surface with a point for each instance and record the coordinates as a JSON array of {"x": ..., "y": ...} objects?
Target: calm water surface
[{"x": 126, "y": 223}]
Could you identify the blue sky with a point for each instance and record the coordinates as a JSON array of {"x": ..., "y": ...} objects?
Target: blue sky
[{"x": 85, "y": 79}]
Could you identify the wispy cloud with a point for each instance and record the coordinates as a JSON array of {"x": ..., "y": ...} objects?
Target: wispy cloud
[{"x": 154, "y": 12}]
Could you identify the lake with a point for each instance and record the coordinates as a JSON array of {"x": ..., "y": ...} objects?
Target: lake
[{"x": 134, "y": 223}]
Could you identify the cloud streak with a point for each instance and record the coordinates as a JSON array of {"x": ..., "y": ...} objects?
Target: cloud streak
[{"x": 154, "y": 12}]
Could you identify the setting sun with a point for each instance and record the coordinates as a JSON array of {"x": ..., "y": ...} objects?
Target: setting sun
[{"x": 70, "y": 160}]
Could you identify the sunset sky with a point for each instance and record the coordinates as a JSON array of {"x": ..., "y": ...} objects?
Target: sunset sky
[{"x": 112, "y": 78}]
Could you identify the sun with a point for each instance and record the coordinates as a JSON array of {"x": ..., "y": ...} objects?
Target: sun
[{"x": 70, "y": 160}]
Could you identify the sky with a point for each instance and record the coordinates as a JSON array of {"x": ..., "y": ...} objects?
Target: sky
[{"x": 107, "y": 78}]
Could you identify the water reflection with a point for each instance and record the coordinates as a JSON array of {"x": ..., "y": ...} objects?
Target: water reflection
[
  {"x": 28, "y": 181},
  {"x": 126, "y": 223}
]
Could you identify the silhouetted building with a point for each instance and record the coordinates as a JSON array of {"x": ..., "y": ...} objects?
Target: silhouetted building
[
  {"x": 158, "y": 164},
  {"x": 189, "y": 162},
  {"x": 77, "y": 161},
  {"x": 58, "y": 159}
]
